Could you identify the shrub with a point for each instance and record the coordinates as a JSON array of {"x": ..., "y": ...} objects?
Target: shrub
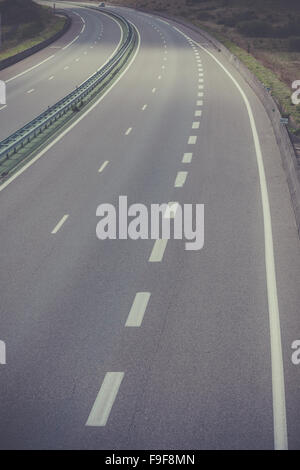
[
  {"x": 255, "y": 28},
  {"x": 294, "y": 44}
]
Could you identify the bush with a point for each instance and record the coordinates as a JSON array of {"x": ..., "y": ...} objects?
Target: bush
[
  {"x": 205, "y": 16},
  {"x": 19, "y": 11},
  {"x": 256, "y": 28},
  {"x": 294, "y": 44},
  {"x": 30, "y": 30}
]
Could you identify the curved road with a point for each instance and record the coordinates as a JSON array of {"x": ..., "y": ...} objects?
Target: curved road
[
  {"x": 196, "y": 373},
  {"x": 44, "y": 78}
]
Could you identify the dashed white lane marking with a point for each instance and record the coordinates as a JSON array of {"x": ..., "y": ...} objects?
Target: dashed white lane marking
[
  {"x": 60, "y": 223},
  {"x": 153, "y": 90},
  {"x": 192, "y": 140},
  {"x": 2, "y": 107},
  {"x": 163, "y": 67},
  {"x": 66, "y": 67},
  {"x": 180, "y": 179},
  {"x": 171, "y": 210},
  {"x": 128, "y": 131},
  {"x": 91, "y": 47},
  {"x": 70, "y": 43},
  {"x": 198, "y": 113},
  {"x": 187, "y": 158},
  {"x": 78, "y": 59},
  {"x": 30, "y": 91},
  {"x": 158, "y": 251},
  {"x": 144, "y": 107},
  {"x": 196, "y": 125},
  {"x": 159, "y": 77},
  {"x": 199, "y": 103},
  {"x": 51, "y": 78},
  {"x": 85, "y": 53},
  {"x": 201, "y": 80},
  {"x": 105, "y": 399},
  {"x": 200, "y": 87},
  {"x": 104, "y": 165},
  {"x": 201, "y": 74},
  {"x": 138, "y": 309},
  {"x": 278, "y": 383},
  {"x": 165, "y": 58},
  {"x": 28, "y": 70},
  {"x": 200, "y": 94}
]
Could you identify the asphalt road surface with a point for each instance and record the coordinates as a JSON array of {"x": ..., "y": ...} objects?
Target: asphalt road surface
[{"x": 195, "y": 372}]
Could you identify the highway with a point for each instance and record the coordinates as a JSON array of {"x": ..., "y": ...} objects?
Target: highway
[
  {"x": 197, "y": 370},
  {"x": 44, "y": 78}
]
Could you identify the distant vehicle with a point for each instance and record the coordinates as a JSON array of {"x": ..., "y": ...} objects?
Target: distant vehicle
[{"x": 102, "y": 4}]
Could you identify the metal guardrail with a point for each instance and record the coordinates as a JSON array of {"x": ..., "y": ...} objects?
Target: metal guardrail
[{"x": 18, "y": 139}]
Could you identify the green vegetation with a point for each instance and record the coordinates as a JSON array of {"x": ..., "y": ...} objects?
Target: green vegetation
[{"x": 25, "y": 24}]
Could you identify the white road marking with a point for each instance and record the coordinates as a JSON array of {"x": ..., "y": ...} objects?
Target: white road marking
[
  {"x": 85, "y": 53},
  {"x": 82, "y": 29},
  {"x": 103, "y": 166},
  {"x": 201, "y": 80},
  {"x": 159, "y": 77},
  {"x": 29, "y": 70},
  {"x": 66, "y": 67},
  {"x": 196, "y": 125},
  {"x": 198, "y": 113},
  {"x": 200, "y": 87},
  {"x": 201, "y": 75},
  {"x": 138, "y": 309},
  {"x": 144, "y": 107},
  {"x": 199, "y": 103},
  {"x": 91, "y": 47},
  {"x": 200, "y": 94},
  {"x": 171, "y": 210},
  {"x": 278, "y": 385},
  {"x": 93, "y": 106},
  {"x": 153, "y": 90},
  {"x": 105, "y": 399},
  {"x": 60, "y": 224},
  {"x": 158, "y": 251},
  {"x": 165, "y": 58},
  {"x": 187, "y": 158},
  {"x": 70, "y": 43},
  {"x": 180, "y": 179},
  {"x": 2, "y": 107},
  {"x": 163, "y": 67},
  {"x": 78, "y": 59},
  {"x": 192, "y": 140},
  {"x": 128, "y": 131},
  {"x": 51, "y": 78},
  {"x": 30, "y": 91}
]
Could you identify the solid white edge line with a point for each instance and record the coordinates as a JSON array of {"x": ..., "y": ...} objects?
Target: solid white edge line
[
  {"x": 28, "y": 70},
  {"x": 58, "y": 138},
  {"x": 278, "y": 385},
  {"x": 70, "y": 43}
]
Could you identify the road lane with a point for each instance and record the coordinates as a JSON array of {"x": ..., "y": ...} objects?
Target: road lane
[
  {"x": 197, "y": 373},
  {"x": 60, "y": 73}
]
